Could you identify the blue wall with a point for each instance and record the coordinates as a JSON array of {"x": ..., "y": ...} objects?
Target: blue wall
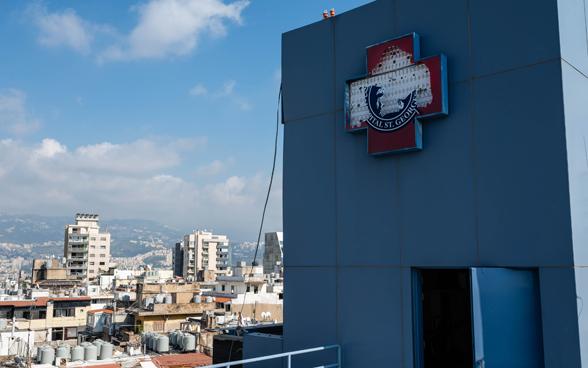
[{"x": 491, "y": 187}]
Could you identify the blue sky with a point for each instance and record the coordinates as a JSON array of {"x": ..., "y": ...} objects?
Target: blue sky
[{"x": 158, "y": 109}]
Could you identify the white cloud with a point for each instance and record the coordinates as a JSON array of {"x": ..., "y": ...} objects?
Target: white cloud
[
  {"x": 14, "y": 118},
  {"x": 174, "y": 27},
  {"x": 226, "y": 90},
  {"x": 242, "y": 103},
  {"x": 215, "y": 167},
  {"x": 198, "y": 90},
  {"x": 132, "y": 180},
  {"x": 64, "y": 29},
  {"x": 79, "y": 100}
]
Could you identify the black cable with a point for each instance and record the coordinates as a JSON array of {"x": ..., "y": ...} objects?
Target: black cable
[{"x": 268, "y": 190}]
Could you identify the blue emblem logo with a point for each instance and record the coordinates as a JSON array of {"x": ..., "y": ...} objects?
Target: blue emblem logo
[{"x": 389, "y": 122}]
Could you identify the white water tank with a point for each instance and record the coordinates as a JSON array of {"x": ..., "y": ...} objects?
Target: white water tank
[
  {"x": 189, "y": 342},
  {"x": 90, "y": 352},
  {"x": 98, "y": 344},
  {"x": 167, "y": 299},
  {"x": 158, "y": 299},
  {"x": 47, "y": 355},
  {"x": 62, "y": 352},
  {"x": 106, "y": 351},
  {"x": 162, "y": 344},
  {"x": 77, "y": 353}
]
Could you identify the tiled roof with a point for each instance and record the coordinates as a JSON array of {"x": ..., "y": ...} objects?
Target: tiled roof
[
  {"x": 183, "y": 360},
  {"x": 107, "y": 311},
  {"x": 218, "y": 299},
  {"x": 40, "y": 302},
  {"x": 70, "y": 299}
]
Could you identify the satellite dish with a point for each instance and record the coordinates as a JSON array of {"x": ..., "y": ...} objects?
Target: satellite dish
[
  {"x": 263, "y": 315},
  {"x": 268, "y": 314}
]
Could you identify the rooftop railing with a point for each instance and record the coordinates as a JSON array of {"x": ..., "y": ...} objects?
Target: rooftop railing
[{"x": 284, "y": 355}]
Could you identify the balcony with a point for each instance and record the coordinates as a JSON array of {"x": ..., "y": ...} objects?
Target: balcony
[
  {"x": 219, "y": 259},
  {"x": 222, "y": 253},
  {"x": 76, "y": 258},
  {"x": 76, "y": 273},
  {"x": 73, "y": 248},
  {"x": 222, "y": 246}
]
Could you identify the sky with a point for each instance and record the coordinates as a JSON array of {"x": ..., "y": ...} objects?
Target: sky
[{"x": 161, "y": 109}]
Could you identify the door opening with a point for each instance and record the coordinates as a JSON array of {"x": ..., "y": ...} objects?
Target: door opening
[{"x": 446, "y": 318}]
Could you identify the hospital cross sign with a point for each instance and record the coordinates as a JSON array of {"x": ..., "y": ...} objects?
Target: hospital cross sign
[{"x": 399, "y": 90}]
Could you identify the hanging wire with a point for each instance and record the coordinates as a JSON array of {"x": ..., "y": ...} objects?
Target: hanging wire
[{"x": 268, "y": 190}]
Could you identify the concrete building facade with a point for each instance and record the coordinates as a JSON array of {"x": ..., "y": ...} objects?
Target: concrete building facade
[
  {"x": 178, "y": 259},
  {"x": 205, "y": 251},
  {"x": 494, "y": 204},
  {"x": 273, "y": 252},
  {"x": 86, "y": 248}
]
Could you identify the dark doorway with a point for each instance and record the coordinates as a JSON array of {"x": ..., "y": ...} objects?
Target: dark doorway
[{"x": 446, "y": 319}]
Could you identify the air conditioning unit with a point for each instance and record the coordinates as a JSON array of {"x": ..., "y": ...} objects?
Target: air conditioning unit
[{"x": 61, "y": 362}]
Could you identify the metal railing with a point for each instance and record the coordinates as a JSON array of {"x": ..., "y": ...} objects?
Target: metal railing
[{"x": 284, "y": 355}]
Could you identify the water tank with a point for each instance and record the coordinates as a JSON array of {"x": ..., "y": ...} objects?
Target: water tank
[
  {"x": 52, "y": 296},
  {"x": 48, "y": 264},
  {"x": 47, "y": 355},
  {"x": 2, "y": 291},
  {"x": 90, "y": 352},
  {"x": 19, "y": 292},
  {"x": 98, "y": 344},
  {"x": 158, "y": 298},
  {"x": 8, "y": 298},
  {"x": 77, "y": 353},
  {"x": 61, "y": 295},
  {"x": 63, "y": 260},
  {"x": 153, "y": 342},
  {"x": 208, "y": 299},
  {"x": 106, "y": 351},
  {"x": 189, "y": 342},
  {"x": 180, "y": 340},
  {"x": 39, "y": 348},
  {"x": 172, "y": 337},
  {"x": 73, "y": 295},
  {"x": 148, "y": 301},
  {"x": 167, "y": 299},
  {"x": 62, "y": 352},
  {"x": 197, "y": 299},
  {"x": 163, "y": 344}
]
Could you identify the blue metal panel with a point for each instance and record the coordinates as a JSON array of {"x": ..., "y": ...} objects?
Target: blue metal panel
[
  {"x": 309, "y": 191},
  {"x": 359, "y": 349},
  {"x": 572, "y": 33},
  {"x": 307, "y": 325},
  {"x": 437, "y": 191},
  {"x": 443, "y": 27},
  {"x": 521, "y": 169},
  {"x": 352, "y": 37},
  {"x": 506, "y": 318},
  {"x": 259, "y": 345},
  {"x": 308, "y": 78},
  {"x": 560, "y": 317},
  {"x": 508, "y": 34},
  {"x": 367, "y": 204},
  {"x": 575, "y": 90}
]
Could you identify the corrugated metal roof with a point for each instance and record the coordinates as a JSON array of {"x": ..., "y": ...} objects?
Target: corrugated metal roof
[
  {"x": 40, "y": 302},
  {"x": 107, "y": 311},
  {"x": 183, "y": 360}
]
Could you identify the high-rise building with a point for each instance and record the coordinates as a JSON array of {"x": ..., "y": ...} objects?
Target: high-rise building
[
  {"x": 204, "y": 251},
  {"x": 178, "y": 259},
  {"x": 86, "y": 249},
  {"x": 273, "y": 253}
]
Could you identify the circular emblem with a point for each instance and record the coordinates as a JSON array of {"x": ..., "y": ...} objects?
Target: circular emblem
[{"x": 392, "y": 121}]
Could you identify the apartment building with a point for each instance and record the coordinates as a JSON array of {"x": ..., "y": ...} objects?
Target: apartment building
[
  {"x": 86, "y": 248},
  {"x": 205, "y": 251},
  {"x": 273, "y": 253}
]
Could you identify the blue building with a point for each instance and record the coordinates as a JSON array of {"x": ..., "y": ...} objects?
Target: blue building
[{"x": 469, "y": 252}]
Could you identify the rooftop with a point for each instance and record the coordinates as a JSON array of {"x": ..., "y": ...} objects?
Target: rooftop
[
  {"x": 107, "y": 311},
  {"x": 182, "y": 360}
]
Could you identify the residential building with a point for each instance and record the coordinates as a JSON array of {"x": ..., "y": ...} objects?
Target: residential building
[
  {"x": 248, "y": 292},
  {"x": 52, "y": 319},
  {"x": 51, "y": 275},
  {"x": 273, "y": 253},
  {"x": 86, "y": 249},
  {"x": 205, "y": 251},
  {"x": 152, "y": 313},
  {"x": 178, "y": 259}
]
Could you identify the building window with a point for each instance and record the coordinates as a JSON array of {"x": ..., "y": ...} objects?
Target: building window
[
  {"x": 232, "y": 289},
  {"x": 102, "y": 263},
  {"x": 281, "y": 296},
  {"x": 255, "y": 290},
  {"x": 92, "y": 238},
  {"x": 92, "y": 255},
  {"x": 91, "y": 263},
  {"x": 103, "y": 255},
  {"x": 102, "y": 239},
  {"x": 248, "y": 288},
  {"x": 223, "y": 288},
  {"x": 103, "y": 247},
  {"x": 92, "y": 247},
  {"x": 91, "y": 271},
  {"x": 64, "y": 312}
]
